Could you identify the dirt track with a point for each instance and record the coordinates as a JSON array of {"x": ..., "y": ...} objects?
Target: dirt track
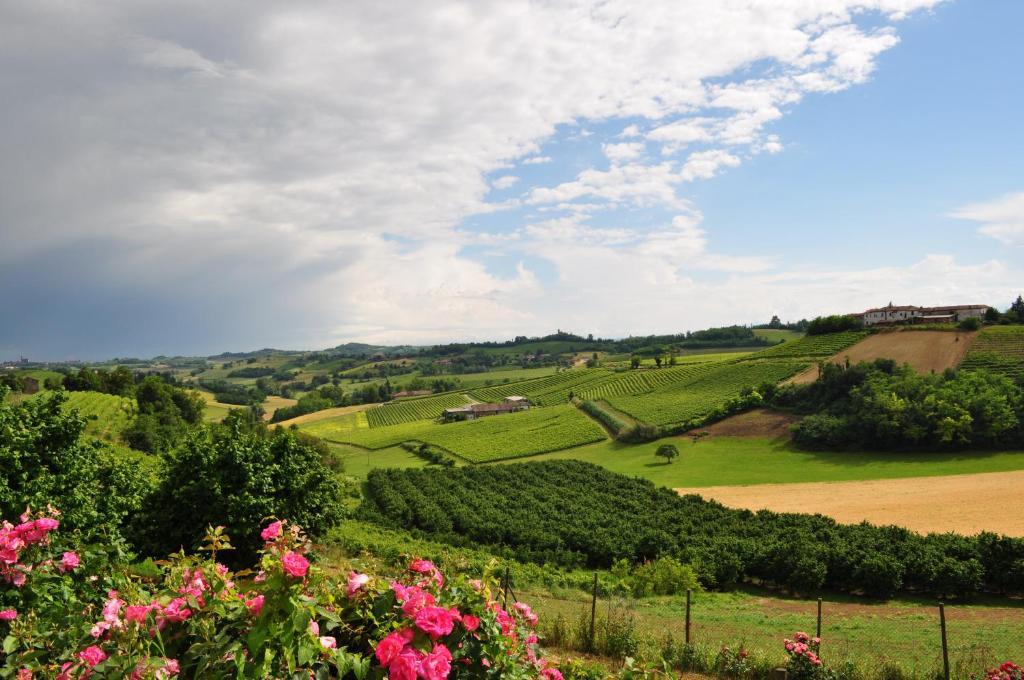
[
  {"x": 924, "y": 350},
  {"x": 966, "y": 504}
]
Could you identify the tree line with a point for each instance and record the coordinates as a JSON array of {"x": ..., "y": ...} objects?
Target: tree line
[{"x": 574, "y": 514}]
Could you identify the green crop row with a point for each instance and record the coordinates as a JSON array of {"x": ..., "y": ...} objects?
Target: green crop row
[
  {"x": 498, "y": 437},
  {"x": 549, "y": 390},
  {"x": 425, "y": 408},
  {"x": 690, "y": 399},
  {"x": 812, "y": 345},
  {"x": 999, "y": 349}
]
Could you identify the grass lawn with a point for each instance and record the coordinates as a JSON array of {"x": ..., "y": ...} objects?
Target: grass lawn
[
  {"x": 863, "y": 631},
  {"x": 720, "y": 461},
  {"x": 358, "y": 462}
]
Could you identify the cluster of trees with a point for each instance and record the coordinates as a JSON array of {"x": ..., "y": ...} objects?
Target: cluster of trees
[
  {"x": 236, "y": 473},
  {"x": 575, "y": 514},
  {"x": 880, "y": 405},
  {"x": 837, "y": 323},
  {"x": 1014, "y": 314},
  {"x": 331, "y": 396},
  {"x": 164, "y": 413},
  {"x": 119, "y": 381}
]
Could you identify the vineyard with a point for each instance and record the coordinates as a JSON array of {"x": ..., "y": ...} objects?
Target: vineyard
[
  {"x": 641, "y": 381},
  {"x": 574, "y": 514},
  {"x": 427, "y": 408},
  {"x": 547, "y": 391},
  {"x": 999, "y": 349},
  {"x": 479, "y": 441},
  {"x": 703, "y": 392},
  {"x": 336, "y": 427},
  {"x": 107, "y": 415},
  {"x": 813, "y": 346}
]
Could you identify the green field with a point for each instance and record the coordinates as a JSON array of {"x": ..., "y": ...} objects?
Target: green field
[
  {"x": 488, "y": 439},
  {"x": 425, "y": 408},
  {"x": 999, "y": 349},
  {"x": 776, "y": 334},
  {"x": 706, "y": 389},
  {"x": 813, "y": 345},
  {"x": 107, "y": 414},
  {"x": 723, "y": 461},
  {"x": 496, "y": 377}
]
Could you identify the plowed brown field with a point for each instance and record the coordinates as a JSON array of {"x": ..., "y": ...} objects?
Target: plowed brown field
[
  {"x": 924, "y": 350},
  {"x": 966, "y": 504}
]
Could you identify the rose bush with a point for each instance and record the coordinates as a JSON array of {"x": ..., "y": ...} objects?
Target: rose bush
[
  {"x": 60, "y": 617},
  {"x": 803, "y": 663}
]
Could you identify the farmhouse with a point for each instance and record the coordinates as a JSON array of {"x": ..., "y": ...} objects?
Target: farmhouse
[
  {"x": 510, "y": 404},
  {"x": 896, "y": 314}
]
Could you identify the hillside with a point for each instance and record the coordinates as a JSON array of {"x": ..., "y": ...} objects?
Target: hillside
[{"x": 925, "y": 351}]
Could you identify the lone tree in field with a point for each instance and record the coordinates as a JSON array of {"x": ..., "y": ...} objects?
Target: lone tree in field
[{"x": 667, "y": 451}]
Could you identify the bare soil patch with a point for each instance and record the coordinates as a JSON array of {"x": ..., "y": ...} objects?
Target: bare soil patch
[
  {"x": 760, "y": 422},
  {"x": 925, "y": 351},
  {"x": 326, "y": 413},
  {"x": 965, "y": 504}
]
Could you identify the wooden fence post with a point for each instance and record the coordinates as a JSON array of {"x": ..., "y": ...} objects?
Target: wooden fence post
[
  {"x": 593, "y": 613},
  {"x": 688, "y": 593},
  {"x": 777, "y": 674},
  {"x": 945, "y": 645}
]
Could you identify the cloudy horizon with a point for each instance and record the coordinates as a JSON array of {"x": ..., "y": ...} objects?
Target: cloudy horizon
[{"x": 188, "y": 178}]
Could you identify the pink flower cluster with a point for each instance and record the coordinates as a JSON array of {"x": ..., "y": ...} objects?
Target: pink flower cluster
[
  {"x": 404, "y": 657},
  {"x": 15, "y": 539},
  {"x": 1006, "y": 671},
  {"x": 803, "y": 647}
]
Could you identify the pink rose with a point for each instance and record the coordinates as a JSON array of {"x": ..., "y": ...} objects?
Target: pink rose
[
  {"x": 327, "y": 642},
  {"x": 255, "y": 605},
  {"x": 416, "y": 599},
  {"x": 470, "y": 622},
  {"x": 294, "y": 564},
  {"x": 177, "y": 611},
  {"x": 8, "y": 614},
  {"x": 271, "y": 532},
  {"x": 356, "y": 582},
  {"x": 422, "y": 567},
  {"x": 405, "y": 666},
  {"x": 92, "y": 656},
  {"x": 46, "y": 524},
  {"x": 24, "y": 674},
  {"x": 436, "y": 665},
  {"x": 69, "y": 561},
  {"x": 435, "y": 621},
  {"x": 391, "y": 646},
  {"x": 170, "y": 667},
  {"x": 137, "y": 613},
  {"x": 551, "y": 674}
]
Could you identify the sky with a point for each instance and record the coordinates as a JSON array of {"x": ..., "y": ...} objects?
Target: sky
[{"x": 195, "y": 177}]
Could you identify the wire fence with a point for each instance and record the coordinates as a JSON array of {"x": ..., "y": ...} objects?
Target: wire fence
[{"x": 880, "y": 640}]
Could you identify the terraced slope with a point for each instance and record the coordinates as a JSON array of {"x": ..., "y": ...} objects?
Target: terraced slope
[
  {"x": 547, "y": 391},
  {"x": 812, "y": 346},
  {"x": 500, "y": 437},
  {"x": 407, "y": 411},
  {"x": 999, "y": 349},
  {"x": 699, "y": 396}
]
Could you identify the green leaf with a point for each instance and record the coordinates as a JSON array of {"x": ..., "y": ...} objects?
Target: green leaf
[{"x": 10, "y": 644}]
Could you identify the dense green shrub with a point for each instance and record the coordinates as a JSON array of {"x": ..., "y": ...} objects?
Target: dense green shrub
[
  {"x": 44, "y": 460},
  {"x": 165, "y": 413},
  {"x": 238, "y": 476},
  {"x": 834, "y": 324},
  {"x": 880, "y": 406},
  {"x": 575, "y": 514}
]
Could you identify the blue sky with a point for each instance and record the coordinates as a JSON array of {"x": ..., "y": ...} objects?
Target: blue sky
[{"x": 193, "y": 179}]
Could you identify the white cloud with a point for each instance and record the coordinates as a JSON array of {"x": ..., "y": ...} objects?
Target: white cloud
[
  {"x": 625, "y": 151},
  {"x": 328, "y": 155},
  {"x": 706, "y": 164},
  {"x": 505, "y": 182},
  {"x": 1001, "y": 219}
]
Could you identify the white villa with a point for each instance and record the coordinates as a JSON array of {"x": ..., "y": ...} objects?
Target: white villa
[{"x": 911, "y": 314}]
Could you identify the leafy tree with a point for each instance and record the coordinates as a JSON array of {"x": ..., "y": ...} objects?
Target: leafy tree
[
  {"x": 833, "y": 324},
  {"x": 1018, "y": 307},
  {"x": 44, "y": 460},
  {"x": 238, "y": 475},
  {"x": 667, "y": 451},
  {"x": 634, "y": 362},
  {"x": 657, "y": 361},
  {"x": 165, "y": 412}
]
